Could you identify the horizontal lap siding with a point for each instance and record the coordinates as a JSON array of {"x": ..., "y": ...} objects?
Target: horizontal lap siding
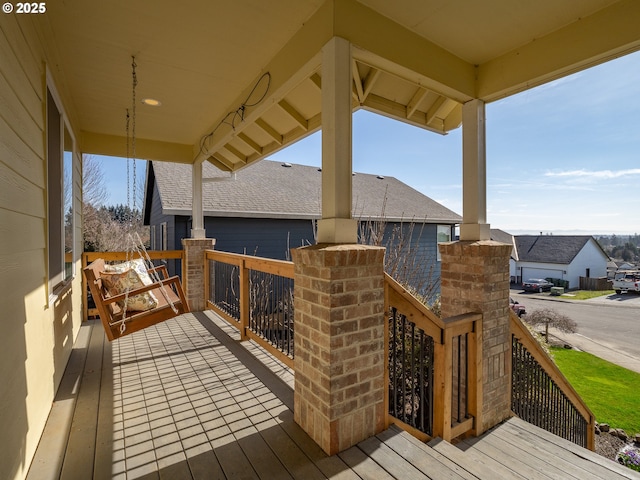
[
  {"x": 36, "y": 337},
  {"x": 271, "y": 238}
]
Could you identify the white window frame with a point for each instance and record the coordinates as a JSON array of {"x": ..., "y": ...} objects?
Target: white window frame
[{"x": 58, "y": 275}]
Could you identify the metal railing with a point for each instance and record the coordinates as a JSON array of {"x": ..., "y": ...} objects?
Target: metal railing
[
  {"x": 433, "y": 367},
  {"x": 542, "y": 396},
  {"x": 256, "y": 296}
]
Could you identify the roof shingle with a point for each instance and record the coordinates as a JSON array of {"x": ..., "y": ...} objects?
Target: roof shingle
[{"x": 268, "y": 190}]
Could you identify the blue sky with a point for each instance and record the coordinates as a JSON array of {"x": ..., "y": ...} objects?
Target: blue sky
[{"x": 561, "y": 158}]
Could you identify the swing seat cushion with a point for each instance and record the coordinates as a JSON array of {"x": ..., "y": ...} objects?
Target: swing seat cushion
[
  {"x": 119, "y": 282},
  {"x": 136, "y": 264}
]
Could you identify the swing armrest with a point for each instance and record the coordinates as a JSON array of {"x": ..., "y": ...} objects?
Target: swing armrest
[
  {"x": 160, "y": 269},
  {"x": 137, "y": 291}
]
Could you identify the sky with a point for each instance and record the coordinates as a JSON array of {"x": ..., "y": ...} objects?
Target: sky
[{"x": 562, "y": 158}]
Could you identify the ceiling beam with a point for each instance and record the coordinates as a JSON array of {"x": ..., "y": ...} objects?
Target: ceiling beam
[
  {"x": 253, "y": 145},
  {"x": 116, "y": 146},
  {"x": 607, "y": 34},
  {"x": 294, "y": 63},
  {"x": 236, "y": 153},
  {"x": 357, "y": 81},
  {"x": 398, "y": 111},
  {"x": 316, "y": 79},
  {"x": 414, "y": 103},
  {"x": 293, "y": 113},
  {"x": 381, "y": 42},
  {"x": 369, "y": 82},
  {"x": 269, "y": 130}
]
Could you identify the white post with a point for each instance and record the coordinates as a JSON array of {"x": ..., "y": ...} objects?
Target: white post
[
  {"x": 197, "y": 222},
  {"x": 474, "y": 173},
  {"x": 336, "y": 225}
]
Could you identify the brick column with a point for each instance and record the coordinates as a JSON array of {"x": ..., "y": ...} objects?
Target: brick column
[
  {"x": 475, "y": 278},
  {"x": 193, "y": 270},
  {"x": 339, "y": 351}
]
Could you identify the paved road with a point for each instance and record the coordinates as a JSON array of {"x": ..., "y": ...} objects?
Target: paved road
[{"x": 607, "y": 324}]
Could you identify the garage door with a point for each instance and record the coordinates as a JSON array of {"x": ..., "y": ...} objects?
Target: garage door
[{"x": 529, "y": 272}]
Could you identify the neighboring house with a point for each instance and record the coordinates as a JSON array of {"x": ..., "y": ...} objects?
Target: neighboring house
[
  {"x": 564, "y": 257},
  {"x": 504, "y": 237},
  {"x": 271, "y": 207}
]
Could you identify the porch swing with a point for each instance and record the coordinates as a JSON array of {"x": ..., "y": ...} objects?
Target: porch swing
[{"x": 133, "y": 295}]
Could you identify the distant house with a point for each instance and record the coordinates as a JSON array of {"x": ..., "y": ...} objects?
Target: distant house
[
  {"x": 271, "y": 207},
  {"x": 564, "y": 257}
]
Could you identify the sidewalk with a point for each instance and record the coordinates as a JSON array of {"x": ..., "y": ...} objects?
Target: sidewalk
[{"x": 604, "y": 351}]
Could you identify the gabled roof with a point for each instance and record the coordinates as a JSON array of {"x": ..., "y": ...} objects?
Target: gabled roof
[
  {"x": 560, "y": 249},
  {"x": 501, "y": 236},
  {"x": 267, "y": 189}
]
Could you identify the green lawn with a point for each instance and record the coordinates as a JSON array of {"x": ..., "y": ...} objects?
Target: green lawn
[
  {"x": 610, "y": 391},
  {"x": 586, "y": 294}
]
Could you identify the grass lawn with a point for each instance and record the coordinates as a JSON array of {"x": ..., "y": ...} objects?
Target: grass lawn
[
  {"x": 610, "y": 391},
  {"x": 587, "y": 294}
]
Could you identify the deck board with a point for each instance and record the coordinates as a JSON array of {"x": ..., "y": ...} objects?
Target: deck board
[
  {"x": 427, "y": 460},
  {"x": 185, "y": 400},
  {"x": 79, "y": 457}
]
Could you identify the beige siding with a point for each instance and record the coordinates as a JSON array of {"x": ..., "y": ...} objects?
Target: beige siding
[{"x": 37, "y": 330}]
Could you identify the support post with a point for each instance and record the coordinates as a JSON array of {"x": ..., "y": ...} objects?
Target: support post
[
  {"x": 475, "y": 278},
  {"x": 474, "y": 173},
  {"x": 197, "y": 215},
  {"x": 193, "y": 270},
  {"x": 336, "y": 224},
  {"x": 339, "y": 395}
]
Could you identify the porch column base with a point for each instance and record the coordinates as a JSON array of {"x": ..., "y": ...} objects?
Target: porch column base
[
  {"x": 475, "y": 278},
  {"x": 193, "y": 270},
  {"x": 339, "y": 353}
]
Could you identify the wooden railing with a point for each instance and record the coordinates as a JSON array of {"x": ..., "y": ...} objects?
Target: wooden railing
[
  {"x": 256, "y": 296},
  {"x": 88, "y": 257},
  {"x": 541, "y": 395},
  {"x": 435, "y": 367}
]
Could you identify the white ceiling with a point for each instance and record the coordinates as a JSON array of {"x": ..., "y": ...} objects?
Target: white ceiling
[{"x": 414, "y": 60}]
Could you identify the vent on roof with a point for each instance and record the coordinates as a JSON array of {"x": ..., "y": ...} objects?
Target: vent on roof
[
  {"x": 319, "y": 169},
  {"x": 380, "y": 177},
  {"x": 288, "y": 165}
]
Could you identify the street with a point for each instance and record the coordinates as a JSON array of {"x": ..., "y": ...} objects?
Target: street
[{"x": 612, "y": 322}]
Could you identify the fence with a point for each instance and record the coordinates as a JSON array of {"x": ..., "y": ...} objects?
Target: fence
[
  {"x": 541, "y": 395},
  {"x": 594, "y": 284}
]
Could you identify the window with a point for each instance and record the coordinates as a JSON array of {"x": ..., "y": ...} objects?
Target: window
[
  {"x": 152, "y": 237},
  {"x": 443, "y": 235},
  {"x": 60, "y": 212},
  {"x": 163, "y": 236}
]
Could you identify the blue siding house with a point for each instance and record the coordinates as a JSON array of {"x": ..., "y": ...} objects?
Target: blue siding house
[{"x": 271, "y": 207}]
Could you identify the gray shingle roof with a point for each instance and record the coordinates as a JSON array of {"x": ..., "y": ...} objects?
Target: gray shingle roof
[
  {"x": 269, "y": 190},
  {"x": 550, "y": 248}
]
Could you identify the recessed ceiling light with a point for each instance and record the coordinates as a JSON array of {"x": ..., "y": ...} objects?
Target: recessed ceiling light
[{"x": 152, "y": 102}]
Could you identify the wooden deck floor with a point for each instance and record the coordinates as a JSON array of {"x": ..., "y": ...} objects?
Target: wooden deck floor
[{"x": 185, "y": 400}]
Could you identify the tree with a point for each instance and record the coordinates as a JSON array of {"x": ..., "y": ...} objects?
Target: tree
[
  {"x": 550, "y": 318},
  {"x": 105, "y": 228}
]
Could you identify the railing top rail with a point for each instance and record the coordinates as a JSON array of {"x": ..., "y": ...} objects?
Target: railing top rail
[
  {"x": 112, "y": 256},
  {"x": 407, "y": 304},
  {"x": 224, "y": 257},
  {"x": 530, "y": 343},
  {"x": 261, "y": 264}
]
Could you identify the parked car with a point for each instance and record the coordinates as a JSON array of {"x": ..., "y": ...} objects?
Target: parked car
[
  {"x": 516, "y": 307},
  {"x": 536, "y": 285}
]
